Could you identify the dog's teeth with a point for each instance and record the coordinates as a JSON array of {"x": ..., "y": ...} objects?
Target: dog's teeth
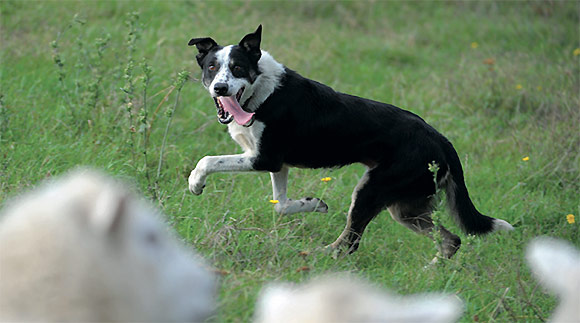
[{"x": 239, "y": 94}]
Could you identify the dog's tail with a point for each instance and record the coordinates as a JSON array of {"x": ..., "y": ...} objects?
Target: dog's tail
[{"x": 468, "y": 217}]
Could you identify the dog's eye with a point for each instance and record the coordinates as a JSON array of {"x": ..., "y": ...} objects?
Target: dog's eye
[
  {"x": 238, "y": 68},
  {"x": 211, "y": 67}
]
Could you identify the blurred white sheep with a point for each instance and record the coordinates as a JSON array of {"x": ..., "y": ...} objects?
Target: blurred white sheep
[
  {"x": 347, "y": 299},
  {"x": 84, "y": 248},
  {"x": 556, "y": 264}
]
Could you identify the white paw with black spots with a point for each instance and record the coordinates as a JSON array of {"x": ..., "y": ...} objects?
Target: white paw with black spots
[
  {"x": 306, "y": 204},
  {"x": 320, "y": 205},
  {"x": 196, "y": 182}
]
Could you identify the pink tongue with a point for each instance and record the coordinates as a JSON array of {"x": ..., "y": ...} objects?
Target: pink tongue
[{"x": 232, "y": 106}]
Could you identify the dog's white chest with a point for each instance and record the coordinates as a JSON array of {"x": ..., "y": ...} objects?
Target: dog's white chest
[{"x": 247, "y": 137}]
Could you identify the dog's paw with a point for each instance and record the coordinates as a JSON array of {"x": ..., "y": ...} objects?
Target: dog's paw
[
  {"x": 341, "y": 248},
  {"x": 321, "y": 206},
  {"x": 313, "y": 204},
  {"x": 196, "y": 183},
  {"x": 335, "y": 251},
  {"x": 306, "y": 204},
  {"x": 196, "y": 190}
]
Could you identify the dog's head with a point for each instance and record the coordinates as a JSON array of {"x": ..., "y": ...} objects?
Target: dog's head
[{"x": 228, "y": 73}]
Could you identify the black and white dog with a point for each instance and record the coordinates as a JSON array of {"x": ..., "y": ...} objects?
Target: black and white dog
[{"x": 284, "y": 120}]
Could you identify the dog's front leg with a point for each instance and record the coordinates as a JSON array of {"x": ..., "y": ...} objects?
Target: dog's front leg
[
  {"x": 288, "y": 206},
  {"x": 213, "y": 164}
]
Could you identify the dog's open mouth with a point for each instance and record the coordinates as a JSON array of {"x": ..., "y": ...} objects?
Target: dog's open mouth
[{"x": 228, "y": 109}]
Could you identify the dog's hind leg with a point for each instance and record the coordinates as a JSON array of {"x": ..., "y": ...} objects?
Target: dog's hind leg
[
  {"x": 289, "y": 206},
  {"x": 364, "y": 207},
  {"x": 416, "y": 215},
  {"x": 371, "y": 196}
]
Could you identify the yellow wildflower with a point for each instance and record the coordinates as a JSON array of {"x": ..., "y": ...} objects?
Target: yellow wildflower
[
  {"x": 326, "y": 179},
  {"x": 526, "y": 158},
  {"x": 539, "y": 88},
  {"x": 570, "y": 218},
  {"x": 474, "y": 45},
  {"x": 274, "y": 201},
  {"x": 576, "y": 52},
  {"x": 519, "y": 87}
]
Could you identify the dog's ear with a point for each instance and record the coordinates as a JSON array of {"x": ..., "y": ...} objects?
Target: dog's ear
[
  {"x": 204, "y": 45},
  {"x": 251, "y": 43}
]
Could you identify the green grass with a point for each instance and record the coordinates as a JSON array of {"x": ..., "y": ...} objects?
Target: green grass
[{"x": 416, "y": 55}]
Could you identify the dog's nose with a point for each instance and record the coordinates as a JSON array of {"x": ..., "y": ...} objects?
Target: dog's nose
[{"x": 221, "y": 88}]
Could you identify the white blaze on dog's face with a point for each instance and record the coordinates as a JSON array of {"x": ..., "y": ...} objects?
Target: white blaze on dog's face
[
  {"x": 85, "y": 249},
  {"x": 229, "y": 73}
]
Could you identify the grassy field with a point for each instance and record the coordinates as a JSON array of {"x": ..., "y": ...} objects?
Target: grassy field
[{"x": 104, "y": 84}]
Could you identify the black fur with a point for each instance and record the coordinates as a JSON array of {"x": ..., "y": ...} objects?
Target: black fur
[
  {"x": 251, "y": 45},
  {"x": 204, "y": 46}
]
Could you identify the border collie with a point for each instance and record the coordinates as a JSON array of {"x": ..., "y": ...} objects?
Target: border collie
[{"x": 282, "y": 120}]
